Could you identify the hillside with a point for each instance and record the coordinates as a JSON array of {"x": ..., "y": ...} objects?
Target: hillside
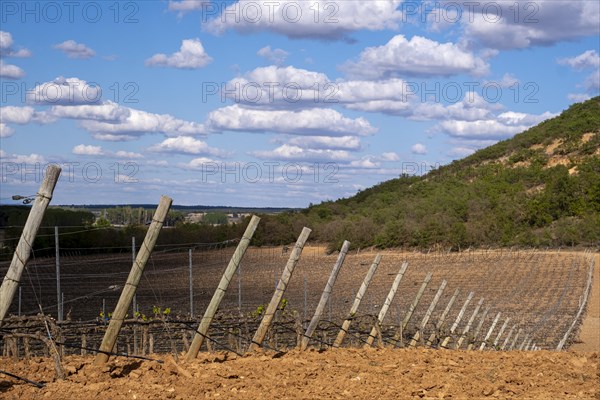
[{"x": 539, "y": 188}]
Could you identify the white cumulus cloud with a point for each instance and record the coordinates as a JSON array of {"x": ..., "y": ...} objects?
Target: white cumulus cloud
[
  {"x": 418, "y": 148},
  {"x": 107, "y": 112},
  {"x": 75, "y": 50},
  {"x": 504, "y": 126},
  {"x": 587, "y": 59},
  {"x": 418, "y": 56},
  {"x": 184, "y": 6},
  {"x": 390, "y": 156},
  {"x": 5, "y": 130},
  {"x": 349, "y": 143},
  {"x": 140, "y": 122},
  {"x": 319, "y": 19},
  {"x": 191, "y": 55},
  {"x": 311, "y": 122},
  {"x": 64, "y": 91},
  {"x": 539, "y": 23},
  {"x": 275, "y": 56},
  {"x": 87, "y": 150},
  {"x": 288, "y": 152},
  {"x": 6, "y": 47},
  {"x": 185, "y": 145},
  {"x": 16, "y": 114},
  {"x": 10, "y": 71}
]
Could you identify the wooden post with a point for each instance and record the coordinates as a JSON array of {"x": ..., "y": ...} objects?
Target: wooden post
[
  {"x": 359, "y": 295},
  {"x": 508, "y": 337},
  {"x": 489, "y": 333},
  {"x": 83, "y": 344},
  {"x": 434, "y": 302},
  {"x": 213, "y": 306},
  {"x": 514, "y": 343},
  {"x": 462, "y": 337},
  {"x": 457, "y": 321},
  {"x": 497, "y": 340},
  {"x": 386, "y": 305},
  {"x": 411, "y": 309},
  {"x": 479, "y": 326},
  {"x": 265, "y": 323},
  {"x": 442, "y": 318},
  {"x": 59, "y": 310},
  {"x": 191, "y": 283},
  {"x": 110, "y": 337},
  {"x": 23, "y": 250},
  {"x": 529, "y": 346},
  {"x": 325, "y": 296},
  {"x": 522, "y": 346}
]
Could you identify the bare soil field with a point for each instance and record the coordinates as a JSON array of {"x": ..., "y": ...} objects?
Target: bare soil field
[{"x": 332, "y": 374}]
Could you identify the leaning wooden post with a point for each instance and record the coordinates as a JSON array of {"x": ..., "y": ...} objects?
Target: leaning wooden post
[
  {"x": 359, "y": 295},
  {"x": 479, "y": 326},
  {"x": 489, "y": 333},
  {"x": 411, "y": 309},
  {"x": 386, "y": 305},
  {"x": 417, "y": 335},
  {"x": 325, "y": 296},
  {"x": 514, "y": 343},
  {"x": 462, "y": 337},
  {"x": 442, "y": 318},
  {"x": 110, "y": 337},
  {"x": 523, "y": 343},
  {"x": 508, "y": 337},
  {"x": 497, "y": 340},
  {"x": 23, "y": 251},
  {"x": 265, "y": 323},
  {"x": 210, "y": 312},
  {"x": 457, "y": 321}
]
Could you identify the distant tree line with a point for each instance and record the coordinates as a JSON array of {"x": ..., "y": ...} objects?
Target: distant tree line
[{"x": 82, "y": 233}]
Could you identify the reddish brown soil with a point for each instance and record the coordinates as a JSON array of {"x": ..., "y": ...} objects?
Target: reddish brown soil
[{"x": 333, "y": 374}]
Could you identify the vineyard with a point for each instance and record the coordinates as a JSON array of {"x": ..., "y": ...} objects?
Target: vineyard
[{"x": 533, "y": 294}]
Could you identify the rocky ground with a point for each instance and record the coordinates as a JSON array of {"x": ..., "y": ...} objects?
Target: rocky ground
[{"x": 332, "y": 374}]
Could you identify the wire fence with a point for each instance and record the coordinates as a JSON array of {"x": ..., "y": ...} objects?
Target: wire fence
[{"x": 539, "y": 292}]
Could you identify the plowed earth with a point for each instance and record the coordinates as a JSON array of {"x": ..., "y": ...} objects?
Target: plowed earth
[{"x": 332, "y": 374}]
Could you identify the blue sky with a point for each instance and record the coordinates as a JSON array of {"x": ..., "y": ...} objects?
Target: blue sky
[{"x": 274, "y": 102}]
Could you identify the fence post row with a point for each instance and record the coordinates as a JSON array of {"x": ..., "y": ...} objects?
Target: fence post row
[
  {"x": 325, "y": 296},
  {"x": 288, "y": 271},
  {"x": 23, "y": 251},
  {"x": 359, "y": 295},
  {"x": 213, "y": 306},
  {"x": 110, "y": 336}
]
